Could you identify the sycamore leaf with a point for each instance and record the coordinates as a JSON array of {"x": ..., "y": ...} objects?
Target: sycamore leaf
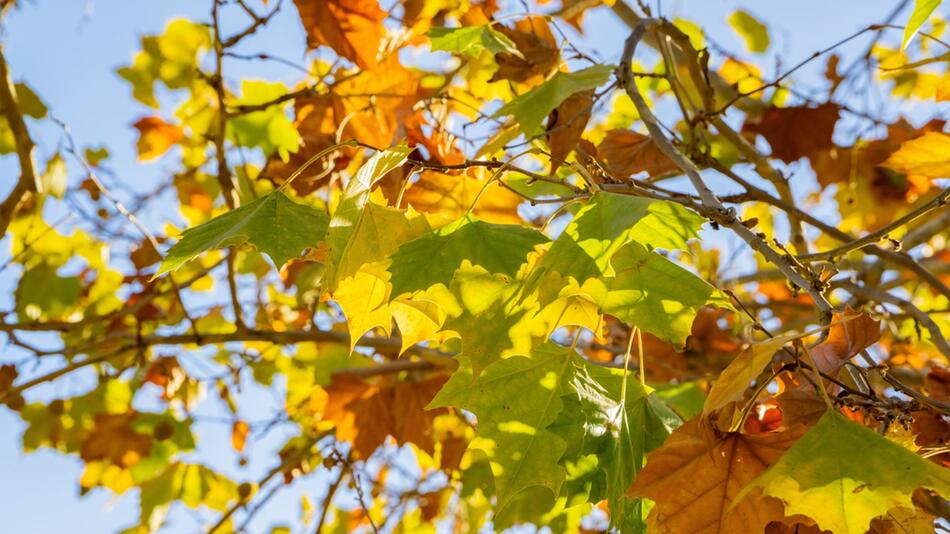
[
  {"x": 347, "y": 216},
  {"x": 378, "y": 232},
  {"x": 352, "y": 28},
  {"x": 797, "y": 131},
  {"x": 515, "y": 400},
  {"x": 615, "y": 432},
  {"x": 920, "y": 14},
  {"x": 566, "y": 125},
  {"x": 366, "y": 413},
  {"x": 270, "y": 129},
  {"x": 657, "y": 295},
  {"x": 275, "y": 224},
  {"x": 530, "y": 109},
  {"x": 753, "y": 32},
  {"x": 740, "y": 373},
  {"x": 364, "y": 299},
  {"x": 471, "y": 40},
  {"x": 418, "y": 320},
  {"x": 434, "y": 257},
  {"x": 490, "y": 325},
  {"x": 627, "y": 153},
  {"x": 155, "y": 137},
  {"x": 537, "y": 52},
  {"x": 451, "y": 196},
  {"x": 928, "y": 156},
  {"x": 693, "y": 478},
  {"x": 607, "y": 222},
  {"x": 843, "y": 475}
]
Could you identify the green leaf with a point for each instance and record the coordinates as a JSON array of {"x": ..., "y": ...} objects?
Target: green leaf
[
  {"x": 531, "y": 108},
  {"x": 515, "y": 400},
  {"x": 275, "y": 224},
  {"x": 347, "y": 215},
  {"x": 843, "y": 475},
  {"x": 30, "y": 103},
  {"x": 433, "y": 258},
  {"x": 753, "y": 32},
  {"x": 43, "y": 294},
  {"x": 655, "y": 294},
  {"x": 616, "y": 431},
  {"x": 270, "y": 129},
  {"x": 609, "y": 221},
  {"x": 920, "y": 14},
  {"x": 471, "y": 40}
]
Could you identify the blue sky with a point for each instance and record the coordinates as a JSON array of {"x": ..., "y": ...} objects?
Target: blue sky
[{"x": 68, "y": 52}]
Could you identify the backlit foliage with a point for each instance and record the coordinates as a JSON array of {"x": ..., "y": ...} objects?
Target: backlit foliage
[{"x": 496, "y": 278}]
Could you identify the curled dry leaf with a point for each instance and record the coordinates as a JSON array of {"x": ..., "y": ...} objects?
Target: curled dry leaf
[
  {"x": 539, "y": 52},
  {"x": 566, "y": 125}
]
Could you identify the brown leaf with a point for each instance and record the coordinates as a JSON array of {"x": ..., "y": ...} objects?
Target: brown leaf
[
  {"x": 693, "y": 481},
  {"x": 352, "y": 28},
  {"x": 365, "y": 414},
  {"x": 155, "y": 137},
  {"x": 166, "y": 373},
  {"x": 845, "y": 340},
  {"x": 937, "y": 383},
  {"x": 239, "y": 432},
  {"x": 627, "y": 153},
  {"x": 8, "y": 374},
  {"x": 113, "y": 438},
  {"x": 539, "y": 51},
  {"x": 566, "y": 125},
  {"x": 796, "y": 132}
]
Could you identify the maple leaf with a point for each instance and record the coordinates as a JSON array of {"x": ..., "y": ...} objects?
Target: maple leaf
[
  {"x": 694, "y": 482},
  {"x": 352, "y": 28},
  {"x": 796, "y": 132},
  {"x": 155, "y": 137},
  {"x": 627, "y": 153}
]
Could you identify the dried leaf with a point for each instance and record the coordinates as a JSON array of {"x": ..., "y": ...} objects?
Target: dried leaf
[
  {"x": 693, "y": 481},
  {"x": 796, "y": 132},
  {"x": 627, "y": 153},
  {"x": 539, "y": 52},
  {"x": 566, "y": 125}
]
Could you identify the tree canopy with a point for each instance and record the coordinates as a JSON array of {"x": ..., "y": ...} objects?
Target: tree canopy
[{"x": 485, "y": 275}]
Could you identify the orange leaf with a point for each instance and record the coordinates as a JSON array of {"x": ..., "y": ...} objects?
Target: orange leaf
[
  {"x": 693, "y": 481},
  {"x": 796, "y": 132},
  {"x": 365, "y": 414},
  {"x": 566, "y": 125},
  {"x": 451, "y": 196},
  {"x": 155, "y": 137},
  {"x": 539, "y": 52},
  {"x": 627, "y": 153},
  {"x": 352, "y": 28},
  {"x": 239, "y": 431}
]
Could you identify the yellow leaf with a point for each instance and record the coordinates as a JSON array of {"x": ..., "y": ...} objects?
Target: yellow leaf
[
  {"x": 418, "y": 320},
  {"x": 927, "y": 156},
  {"x": 364, "y": 299}
]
